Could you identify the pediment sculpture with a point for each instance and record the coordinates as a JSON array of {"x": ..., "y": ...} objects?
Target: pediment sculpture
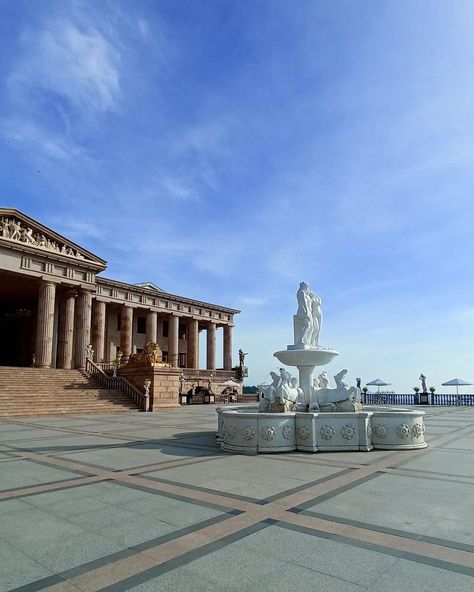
[{"x": 13, "y": 229}]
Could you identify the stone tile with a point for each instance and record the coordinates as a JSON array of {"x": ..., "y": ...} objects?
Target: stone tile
[
  {"x": 256, "y": 477},
  {"x": 63, "y": 444},
  {"x": 180, "y": 580},
  {"x": 129, "y": 456},
  {"x": 442, "y": 461},
  {"x": 25, "y": 473},
  {"x": 407, "y": 575},
  {"x": 428, "y": 507},
  {"x": 18, "y": 569}
]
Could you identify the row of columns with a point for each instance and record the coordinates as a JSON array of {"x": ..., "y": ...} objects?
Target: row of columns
[{"x": 74, "y": 332}]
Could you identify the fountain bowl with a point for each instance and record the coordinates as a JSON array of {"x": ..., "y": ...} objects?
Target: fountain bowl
[{"x": 309, "y": 356}]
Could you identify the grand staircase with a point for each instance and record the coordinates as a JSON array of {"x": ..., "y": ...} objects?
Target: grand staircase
[{"x": 47, "y": 391}]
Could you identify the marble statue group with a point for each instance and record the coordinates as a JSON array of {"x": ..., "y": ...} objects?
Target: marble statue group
[
  {"x": 308, "y": 318},
  {"x": 284, "y": 394}
]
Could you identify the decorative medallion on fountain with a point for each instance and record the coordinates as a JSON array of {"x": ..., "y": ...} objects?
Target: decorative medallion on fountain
[
  {"x": 403, "y": 431},
  {"x": 348, "y": 432},
  {"x": 268, "y": 433},
  {"x": 381, "y": 430},
  {"x": 249, "y": 433},
  {"x": 417, "y": 430},
  {"x": 303, "y": 433},
  {"x": 327, "y": 432},
  {"x": 288, "y": 432}
]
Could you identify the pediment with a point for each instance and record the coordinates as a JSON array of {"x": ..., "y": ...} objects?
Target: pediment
[
  {"x": 19, "y": 229},
  {"x": 149, "y": 286}
]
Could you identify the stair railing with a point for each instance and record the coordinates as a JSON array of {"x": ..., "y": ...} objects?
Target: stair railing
[{"x": 119, "y": 383}]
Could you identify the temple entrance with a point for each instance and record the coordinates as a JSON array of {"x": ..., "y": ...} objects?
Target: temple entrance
[{"x": 18, "y": 305}]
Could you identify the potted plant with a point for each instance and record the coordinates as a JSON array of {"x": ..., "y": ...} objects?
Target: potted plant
[{"x": 417, "y": 396}]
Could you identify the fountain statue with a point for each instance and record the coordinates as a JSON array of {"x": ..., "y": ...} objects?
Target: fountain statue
[{"x": 308, "y": 414}]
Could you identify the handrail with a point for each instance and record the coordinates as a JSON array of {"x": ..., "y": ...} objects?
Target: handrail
[{"x": 119, "y": 383}]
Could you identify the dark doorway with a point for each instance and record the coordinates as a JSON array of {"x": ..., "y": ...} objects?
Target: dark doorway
[{"x": 18, "y": 309}]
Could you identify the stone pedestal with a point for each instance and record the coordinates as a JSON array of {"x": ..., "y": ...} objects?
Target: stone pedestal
[{"x": 164, "y": 388}]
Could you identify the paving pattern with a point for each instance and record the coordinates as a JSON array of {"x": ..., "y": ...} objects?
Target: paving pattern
[{"x": 147, "y": 502}]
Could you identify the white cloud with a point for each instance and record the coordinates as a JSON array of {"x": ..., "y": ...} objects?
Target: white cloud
[
  {"x": 39, "y": 141},
  {"x": 79, "y": 65}
]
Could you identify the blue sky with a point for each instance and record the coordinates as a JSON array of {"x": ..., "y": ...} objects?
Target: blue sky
[{"x": 229, "y": 150}]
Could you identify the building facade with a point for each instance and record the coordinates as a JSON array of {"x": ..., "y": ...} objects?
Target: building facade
[{"x": 54, "y": 303}]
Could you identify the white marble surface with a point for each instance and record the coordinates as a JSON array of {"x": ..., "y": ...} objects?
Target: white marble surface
[{"x": 245, "y": 430}]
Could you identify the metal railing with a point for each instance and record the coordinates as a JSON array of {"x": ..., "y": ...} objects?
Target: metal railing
[
  {"x": 119, "y": 383},
  {"x": 409, "y": 399}
]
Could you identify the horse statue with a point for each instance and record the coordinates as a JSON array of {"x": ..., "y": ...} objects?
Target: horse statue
[
  {"x": 341, "y": 398},
  {"x": 282, "y": 395}
]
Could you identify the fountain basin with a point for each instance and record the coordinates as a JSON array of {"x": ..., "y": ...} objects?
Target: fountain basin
[
  {"x": 313, "y": 356},
  {"x": 244, "y": 430}
]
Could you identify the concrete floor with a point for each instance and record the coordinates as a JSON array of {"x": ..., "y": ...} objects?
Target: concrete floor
[{"x": 147, "y": 502}]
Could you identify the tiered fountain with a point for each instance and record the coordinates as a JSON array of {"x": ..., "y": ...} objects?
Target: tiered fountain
[{"x": 312, "y": 416}]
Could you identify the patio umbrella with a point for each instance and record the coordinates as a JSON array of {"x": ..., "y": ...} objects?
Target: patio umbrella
[
  {"x": 229, "y": 382},
  {"x": 378, "y": 383},
  {"x": 457, "y": 382}
]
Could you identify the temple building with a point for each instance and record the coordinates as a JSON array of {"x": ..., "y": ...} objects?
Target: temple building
[{"x": 54, "y": 303}]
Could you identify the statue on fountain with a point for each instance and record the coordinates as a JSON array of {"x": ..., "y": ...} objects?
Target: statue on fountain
[
  {"x": 308, "y": 318},
  {"x": 282, "y": 395},
  {"x": 341, "y": 398}
]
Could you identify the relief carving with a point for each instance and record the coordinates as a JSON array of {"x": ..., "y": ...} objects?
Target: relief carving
[{"x": 13, "y": 229}]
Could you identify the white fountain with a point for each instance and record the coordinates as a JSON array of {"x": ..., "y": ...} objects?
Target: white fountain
[{"x": 313, "y": 417}]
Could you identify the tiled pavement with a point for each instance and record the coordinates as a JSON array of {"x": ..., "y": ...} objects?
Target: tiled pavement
[{"x": 149, "y": 503}]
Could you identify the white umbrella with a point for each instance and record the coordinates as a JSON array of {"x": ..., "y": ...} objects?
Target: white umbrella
[
  {"x": 229, "y": 382},
  {"x": 378, "y": 383},
  {"x": 457, "y": 382}
]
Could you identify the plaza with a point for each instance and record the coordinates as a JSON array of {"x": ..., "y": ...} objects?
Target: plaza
[{"x": 148, "y": 502}]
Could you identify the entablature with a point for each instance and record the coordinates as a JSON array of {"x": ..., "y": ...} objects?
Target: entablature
[{"x": 162, "y": 302}]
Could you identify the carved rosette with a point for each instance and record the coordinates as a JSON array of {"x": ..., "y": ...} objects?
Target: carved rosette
[
  {"x": 288, "y": 432},
  {"x": 303, "y": 433},
  {"x": 230, "y": 432},
  {"x": 403, "y": 431},
  {"x": 327, "y": 432},
  {"x": 417, "y": 430},
  {"x": 249, "y": 433},
  {"x": 348, "y": 432},
  {"x": 381, "y": 431},
  {"x": 268, "y": 432}
]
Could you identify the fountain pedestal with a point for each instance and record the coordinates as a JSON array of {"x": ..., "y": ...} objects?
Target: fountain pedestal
[{"x": 306, "y": 359}]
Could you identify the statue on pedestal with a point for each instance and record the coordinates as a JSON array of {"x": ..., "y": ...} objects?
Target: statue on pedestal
[
  {"x": 423, "y": 383},
  {"x": 308, "y": 319}
]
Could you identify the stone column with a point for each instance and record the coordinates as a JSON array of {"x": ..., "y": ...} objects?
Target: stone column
[
  {"x": 227, "y": 347},
  {"x": 99, "y": 314},
  {"x": 66, "y": 331},
  {"x": 151, "y": 326},
  {"x": 211, "y": 346},
  {"x": 83, "y": 328},
  {"x": 126, "y": 332},
  {"x": 45, "y": 325},
  {"x": 192, "y": 356},
  {"x": 173, "y": 329}
]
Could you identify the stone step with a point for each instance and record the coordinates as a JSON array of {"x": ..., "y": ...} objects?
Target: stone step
[{"x": 27, "y": 392}]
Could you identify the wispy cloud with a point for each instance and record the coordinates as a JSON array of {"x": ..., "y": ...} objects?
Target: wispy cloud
[
  {"x": 24, "y": 134},
  {"x": 78, "y": 65}
]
